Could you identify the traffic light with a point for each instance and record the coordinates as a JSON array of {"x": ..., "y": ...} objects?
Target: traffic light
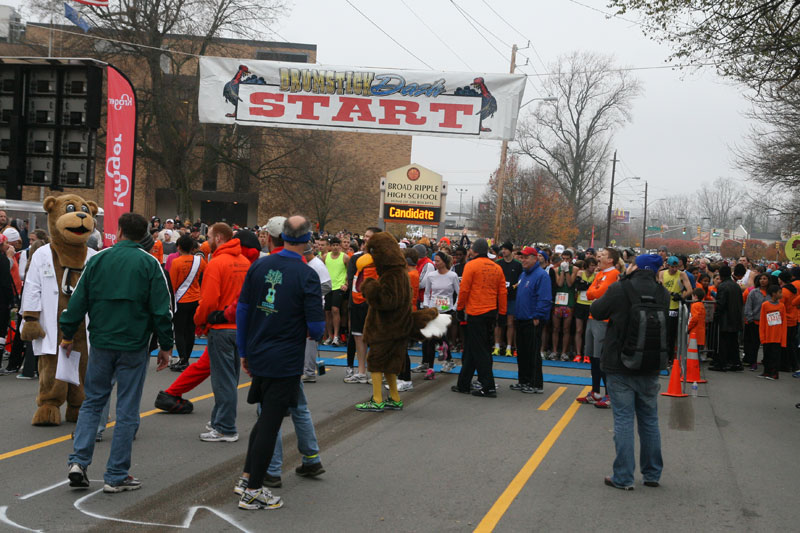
[
  {"x": 684, "y": 230},
  {"x": 744, "y": 244},
  {"x": 662, "y": 228},
  {"x": 698, "y": 229}
]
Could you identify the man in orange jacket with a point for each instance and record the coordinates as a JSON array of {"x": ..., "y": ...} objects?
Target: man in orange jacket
[
  {"x": 222, "y": 283},
  {"x": 482, "y": 294}
]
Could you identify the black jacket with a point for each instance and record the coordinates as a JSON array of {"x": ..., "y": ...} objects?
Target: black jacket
[
  {"x": 615, "y": 306},
  {"x": 730, "y": 307}
]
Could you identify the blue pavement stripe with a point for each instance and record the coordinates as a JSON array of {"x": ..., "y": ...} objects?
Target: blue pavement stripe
[
  {"x": 195, "y": 353},
  {"x": 498, "y": 373},
  {"x": 201, "y": 341}
]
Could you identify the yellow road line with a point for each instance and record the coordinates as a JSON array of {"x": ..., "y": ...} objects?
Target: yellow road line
[
  {"x": 63, "y": 438},
  {"x": 502, "y": 504},
  {"x": 552, "y": 399}
]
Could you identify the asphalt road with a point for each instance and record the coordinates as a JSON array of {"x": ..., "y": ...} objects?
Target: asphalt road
[{"x": 447, "y": 462}]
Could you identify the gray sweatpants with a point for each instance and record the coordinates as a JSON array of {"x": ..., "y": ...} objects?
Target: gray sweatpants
[{"x": 310, "y": 366}]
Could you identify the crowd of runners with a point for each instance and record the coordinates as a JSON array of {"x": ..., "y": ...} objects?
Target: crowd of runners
[{"x": 526, "y": 301}]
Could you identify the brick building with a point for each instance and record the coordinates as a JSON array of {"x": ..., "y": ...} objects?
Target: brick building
[{"x": 220, "y": 191}]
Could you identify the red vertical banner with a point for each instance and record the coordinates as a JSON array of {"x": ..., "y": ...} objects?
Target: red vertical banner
[{"x": 120, "y": 150}]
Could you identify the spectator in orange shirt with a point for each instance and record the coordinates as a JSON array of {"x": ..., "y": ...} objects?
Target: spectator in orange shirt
[
  {"x": 185, "y": 273},
  {"x": 482, "y": 295},
  {"x": 789, "y": 299},
  {"x": 697, "y": 321},
  {"x": 158, "y": 249},
  {"x": 772, "y": 331}
]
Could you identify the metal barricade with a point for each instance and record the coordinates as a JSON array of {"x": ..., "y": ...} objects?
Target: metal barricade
[{"x": 682, "y": 341}]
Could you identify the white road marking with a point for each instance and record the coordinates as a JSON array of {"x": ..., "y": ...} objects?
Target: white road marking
[
  {"x": 185, "y": 525},
  {"x": 42, "y": 491},
  {"x": 6, "y": 520}
]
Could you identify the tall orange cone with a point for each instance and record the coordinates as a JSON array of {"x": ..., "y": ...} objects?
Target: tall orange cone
[
  {"x": 693, "y": 362},
  {"x": 674, "y": 388}
]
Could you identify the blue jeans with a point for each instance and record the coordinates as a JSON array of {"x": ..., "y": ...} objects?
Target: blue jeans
[
  {"x": 101, "y": 426},
  {"x": 635, "y": 395},
  {"x": 306, "y": 437},
  {"x": 130, "y": 369},
  {"x": 223, "y": 357}
]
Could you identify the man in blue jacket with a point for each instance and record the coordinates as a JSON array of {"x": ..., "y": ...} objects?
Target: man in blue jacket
[
  {"x": 534, "y": 303},
  {"x": 279, "y": 307}
]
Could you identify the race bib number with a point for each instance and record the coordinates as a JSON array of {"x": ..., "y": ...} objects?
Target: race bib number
[
  {"x": 443, "y": 303},
  {"x": 582, "y": 296},
  {"x": 774, "y": 318},
  {"x": 562, "y": 298},
  {"x": 673, "y": 313}
]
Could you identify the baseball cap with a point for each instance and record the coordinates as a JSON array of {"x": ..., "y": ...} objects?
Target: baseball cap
[
  {"x": 673, "y": 261},
  {"x": 528, "y": 250},
  {"x": 663, "y": 248},
  {"x": 11, "y": 234},
  {"x": 169, "y": 220},
  {"x": 559, "y": 248},
  {"x": 275, "y": 226},
  {"x": 508, "y": 245},
  {"x": 649, "y": 262}
]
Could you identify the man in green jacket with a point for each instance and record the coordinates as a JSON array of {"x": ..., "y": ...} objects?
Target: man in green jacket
[{"x": 124, "y": 291}]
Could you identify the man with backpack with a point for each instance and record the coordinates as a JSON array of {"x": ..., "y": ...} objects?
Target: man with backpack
[{"x": 634, "y": 353}]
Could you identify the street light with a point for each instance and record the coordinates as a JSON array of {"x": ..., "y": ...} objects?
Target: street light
[
  {"x": 545, "y": 99},
  {"x": 460, "y": 192}
]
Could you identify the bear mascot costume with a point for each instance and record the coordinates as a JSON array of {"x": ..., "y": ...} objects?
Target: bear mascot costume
[
  {"x": 53, "y": 274},
  {"x": 390, "y": 319}
]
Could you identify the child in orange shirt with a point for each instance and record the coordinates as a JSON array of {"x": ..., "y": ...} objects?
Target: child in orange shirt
[
  {"x": 697, "y": 321},
  {"x": 772, "y": 331}
]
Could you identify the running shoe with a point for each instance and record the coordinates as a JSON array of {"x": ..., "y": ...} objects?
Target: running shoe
[
  {"x": 592, "y": 397},
  {"x": 421, "y": 368},
  {"x": 587, "y": 360},
  {"x": 605, "y": 403},
  {"x": 577, "y": 359},
  {"x": 564, "y": 357},
  {"x": 77, "y": 476},
  {"x": 357, "y": 378},
  {"x": 772, "y": 377},
  {"x": 509, "y": 352},
  {"x": 262, "y": 498},
  {"x": 794, "y": 374},
  {"x": 309, "y": 378},
  {"x": 485, "y": 393},
  {"x": 447, "y": 366},
  {"x": 621, "y": 487},
  {"x": 496, "y": 350},
  {"x": 403, "y": 386},
  {"x": 129, "y": 483},
  {"x": 527, "y": 389},
  {"x": 240, "y": 486},
  {"x": 371, "y": 405},
  {"x": 517, "y": 386},
  {"x": 391, "y": 405},
  {"x": 431, "y": 374},
  {"x": 327, "y": 342},
  {"x": 173, "y": 404},
  {"x": 476, "y": 385},
  {"x": 336, "y": 342},
  {"x": 348, "y": 371},
  {"x": 272, "y": 481},
  {"x": 216, "y": 436}
]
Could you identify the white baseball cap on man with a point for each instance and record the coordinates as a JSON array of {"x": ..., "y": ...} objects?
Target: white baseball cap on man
[
  {"x": 275, "y": 226},
  {"x": 12, "y": 234},
  {"x": 559, "y": 249}
]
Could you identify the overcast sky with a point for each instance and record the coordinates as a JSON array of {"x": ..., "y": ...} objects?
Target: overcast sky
[{"x": 684, "y": 123}]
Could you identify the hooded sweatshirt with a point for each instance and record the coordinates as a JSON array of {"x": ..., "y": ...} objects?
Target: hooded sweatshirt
[{"x": 222, "y": 282}]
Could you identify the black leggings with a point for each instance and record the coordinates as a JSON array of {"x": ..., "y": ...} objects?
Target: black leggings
[
  {"x": 183, "y": 321},
  {"x": 597, "y": 375}
]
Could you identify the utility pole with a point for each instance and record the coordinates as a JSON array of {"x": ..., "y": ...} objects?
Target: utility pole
[
  {"x": 501, "y": 175},
  {"x": 460, "y": 192},
  {"x": 611, "y": 200},
  {"x": 644, "y": 221}
]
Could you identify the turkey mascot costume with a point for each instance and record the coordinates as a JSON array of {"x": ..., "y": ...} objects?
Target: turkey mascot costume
[
  {"x": 53, "y": 274},
  {"x": 390, "y": 319}
]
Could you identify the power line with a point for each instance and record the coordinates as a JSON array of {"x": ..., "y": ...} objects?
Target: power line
[
  {"x": 487, "y": 30},
  {"x": 461, "y": 11},
  {"x": 435, "y": 34},
  {"x": 389, "y": 36},
  {"x": 629, "y": 69},
  {"x": 518, "y": 32}
]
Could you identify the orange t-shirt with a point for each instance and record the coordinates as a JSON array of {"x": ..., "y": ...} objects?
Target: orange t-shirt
[
  {"x": 413, "y": 277},
  {"x": 602, "y": 281},
  {"x": 158, "y": 251},
  {"x": 697, "y": 322},
  {"x": 181, "y": 266},
  {"x": 788, "y": 298},
  {"x": 205, "y": 247},
  {"x": 772, "y": 326},
  {"x": 483, "y": 288}
]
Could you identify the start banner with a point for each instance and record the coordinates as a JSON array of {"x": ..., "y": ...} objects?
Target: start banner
[
  {"x": 120, "y": 151},
  {"x": 296, "y": 95}
]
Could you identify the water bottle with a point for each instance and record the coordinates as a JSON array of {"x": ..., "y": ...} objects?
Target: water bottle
[{"x": 694, "y": 389}]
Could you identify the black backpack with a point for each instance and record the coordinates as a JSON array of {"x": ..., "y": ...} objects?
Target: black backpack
[{"x": 644, "y": 346}]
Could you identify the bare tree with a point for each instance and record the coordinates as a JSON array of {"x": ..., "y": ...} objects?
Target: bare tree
[
  {"x": 160, "y": 40},
  {"x": 754, "y": 41},
  {"x": 571, "y": 139},
  {"x": 718, "y": 201}
]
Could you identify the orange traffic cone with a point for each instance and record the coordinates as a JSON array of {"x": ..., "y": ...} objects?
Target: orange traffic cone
[
  {"x": 674, "y": 388},
  {"x": 693, "y": 362}
]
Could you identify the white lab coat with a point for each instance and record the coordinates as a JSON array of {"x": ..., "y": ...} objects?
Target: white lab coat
[{"x": 41, "y": 294}]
